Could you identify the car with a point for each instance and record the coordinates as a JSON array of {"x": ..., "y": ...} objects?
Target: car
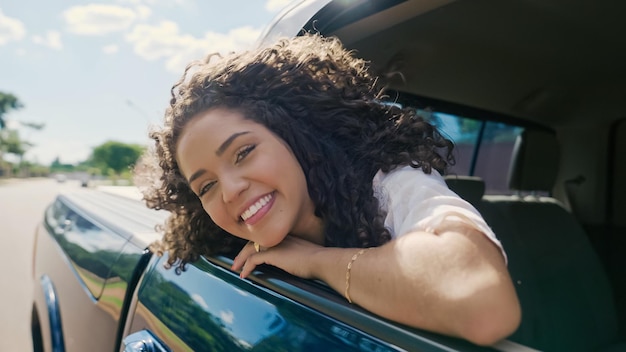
[
  {"x": 61, "y": 178},
  {"x": 532, "y": 94}
]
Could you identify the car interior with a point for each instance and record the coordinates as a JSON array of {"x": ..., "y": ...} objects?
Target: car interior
[{"x": 552, "y": 70}]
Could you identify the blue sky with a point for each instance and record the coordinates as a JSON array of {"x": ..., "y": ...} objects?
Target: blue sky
[{"x": 98, "y": 71}]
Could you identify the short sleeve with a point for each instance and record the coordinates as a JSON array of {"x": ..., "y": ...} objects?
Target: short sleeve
[{"x": 414, "y": 200}]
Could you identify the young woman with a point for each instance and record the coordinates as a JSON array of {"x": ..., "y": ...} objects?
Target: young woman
[{"x": 292, "y": 156}]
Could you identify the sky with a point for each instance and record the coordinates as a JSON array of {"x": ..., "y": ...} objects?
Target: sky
[{"x": 102, "y": 70}]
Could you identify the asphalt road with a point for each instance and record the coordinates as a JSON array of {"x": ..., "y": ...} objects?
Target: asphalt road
[{"x": 22, "y": 203}]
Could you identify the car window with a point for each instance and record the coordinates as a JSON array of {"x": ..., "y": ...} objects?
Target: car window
[
  {"x": 482, "y": 148},
  {"x": 92, "y": 250},
  {"x": 56, "y": 214}
]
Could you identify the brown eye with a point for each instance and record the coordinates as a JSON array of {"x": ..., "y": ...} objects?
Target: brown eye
[
  {"x": 243, "y": 153},
  {"x": 206, "y": 188}
]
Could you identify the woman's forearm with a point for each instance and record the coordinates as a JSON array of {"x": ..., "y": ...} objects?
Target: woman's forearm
[{"x": 454, "y": 282}]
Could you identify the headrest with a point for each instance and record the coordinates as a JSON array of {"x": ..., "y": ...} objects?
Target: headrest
[
  {"x": 470, "y": 188},
  {"x": 535, "y": 161}
]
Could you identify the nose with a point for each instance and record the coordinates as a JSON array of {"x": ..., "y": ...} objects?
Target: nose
[{"x": 232, "y": 187}]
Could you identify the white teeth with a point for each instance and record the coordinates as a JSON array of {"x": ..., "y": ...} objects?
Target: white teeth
[{"x": 255, "y": 207}]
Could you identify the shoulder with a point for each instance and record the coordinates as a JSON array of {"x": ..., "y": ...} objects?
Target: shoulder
[
  {"x": 408, "y": 172},
  {"x": 406, "y": 178},
  {"x": 415, "y": 200}
]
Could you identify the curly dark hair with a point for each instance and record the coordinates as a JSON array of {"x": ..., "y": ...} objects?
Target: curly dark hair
[{"x": 326, "y": 105}]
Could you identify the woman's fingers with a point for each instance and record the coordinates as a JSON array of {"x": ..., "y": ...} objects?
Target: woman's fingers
[
  {"x": 287, "y": 256},
  {"x": 250, "y": 264},
  {"x": 243, "y": 255}
]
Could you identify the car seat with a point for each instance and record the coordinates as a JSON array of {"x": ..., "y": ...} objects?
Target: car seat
[{"x": 567, "y": 302}]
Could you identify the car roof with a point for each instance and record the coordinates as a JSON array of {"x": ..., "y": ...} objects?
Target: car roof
[{"x": 552, "y": 62}]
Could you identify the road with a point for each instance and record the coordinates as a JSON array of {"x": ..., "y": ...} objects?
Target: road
[{"x": 22, "y": 203}]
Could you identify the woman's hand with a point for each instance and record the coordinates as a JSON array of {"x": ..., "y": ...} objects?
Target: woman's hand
[
  {"x": 454, "y": 281},
  {"x": 288, "y": 256}
]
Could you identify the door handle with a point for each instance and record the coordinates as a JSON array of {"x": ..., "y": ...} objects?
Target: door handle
[{"x": 143, "y": 341}]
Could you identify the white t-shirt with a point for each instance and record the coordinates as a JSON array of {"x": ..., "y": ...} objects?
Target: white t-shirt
[{"x": 414, "y": 200}]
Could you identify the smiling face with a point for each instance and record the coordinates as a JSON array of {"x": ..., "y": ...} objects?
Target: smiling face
[{"x": 248, "y": 179}]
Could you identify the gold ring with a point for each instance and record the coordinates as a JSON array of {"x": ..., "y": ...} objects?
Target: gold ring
[{"x": 257, "y": 247}]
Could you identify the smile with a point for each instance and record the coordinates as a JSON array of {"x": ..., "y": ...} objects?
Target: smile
[{"x": 254, "y": 208}]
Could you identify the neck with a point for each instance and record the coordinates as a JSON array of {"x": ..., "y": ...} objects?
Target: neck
[{"x": 312, "y": 231}]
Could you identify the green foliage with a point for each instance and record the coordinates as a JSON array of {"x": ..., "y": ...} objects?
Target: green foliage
[
  {"x": 35, "y": 170},
  {"x": 8, "y": 102},
  {"x": 182, "y": 314},
  {"x": 57, "y": 166},
  {"x": 33, "y": 125},
  {"x": 115, "y": 156},
  {"x": 11, "y": 143},
  {"x": 9, "y": 140},
  {"x": 469, "y": 125}
]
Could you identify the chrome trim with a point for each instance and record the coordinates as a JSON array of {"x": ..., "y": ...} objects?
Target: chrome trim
[{"x": 54, "y": 314}]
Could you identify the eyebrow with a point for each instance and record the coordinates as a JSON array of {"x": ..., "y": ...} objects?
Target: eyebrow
[
  {"x": 218, "y": 152},
  {"x": 196, "y": 175},
  {"x": 228, "y": 142}
]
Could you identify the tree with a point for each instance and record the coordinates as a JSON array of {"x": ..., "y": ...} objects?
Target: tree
[
  {"x": 115, "y": 155},
  {"x": 13, "y": 144},
  {"x": 8, "y": 102},
  {"x": 58, "y": 166},
  {"x": 10, "y": 140}
]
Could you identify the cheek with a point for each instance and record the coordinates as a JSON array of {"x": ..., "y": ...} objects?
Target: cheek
[
  {"x": 216, "y": 213},
  {"x": 297, "y": 177},
  {"x": 220, "y": 217}
]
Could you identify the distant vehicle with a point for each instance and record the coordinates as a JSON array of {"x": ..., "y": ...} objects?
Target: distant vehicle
[
  {"x": 61, "y": 178},
  {"x": 532, "y": 92}
]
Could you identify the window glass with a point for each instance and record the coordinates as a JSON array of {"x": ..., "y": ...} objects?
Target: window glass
[
  {"x": 494, "y": 156},
  {"x": 464, "y": 133},
  {"x": 482, "y": 148},
  {"x": 56, "y": 214}
]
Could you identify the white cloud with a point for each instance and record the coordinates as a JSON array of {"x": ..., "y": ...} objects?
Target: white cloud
[
  {"x": 138, "y": 2},
  {"x": 132, "y": 2},
  {"x": 143, "y": 12},
  {"x": 227, "y": 317},
  {"x": 153, "y": 42},
  {"x": 99, "y": 19},
  {"x": 52, "y": 39},
  {"x": 242, "y": 292},
  {"x": 110, "y": 49},
  {"x": 198, "y": 299},
  {"x": 11, "y": 29},
  {"x": 166, "y": 42},
  {"x": 276, "y": 5}
]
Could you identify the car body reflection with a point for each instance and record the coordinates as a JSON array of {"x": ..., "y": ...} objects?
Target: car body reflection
[{"x": 211, "y": 308}]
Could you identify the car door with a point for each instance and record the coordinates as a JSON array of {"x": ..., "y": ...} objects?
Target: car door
[{"x": 209, "y": 308}]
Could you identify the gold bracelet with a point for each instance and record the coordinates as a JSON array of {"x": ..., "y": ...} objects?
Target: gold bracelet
[{"x": 356, "y": 255}]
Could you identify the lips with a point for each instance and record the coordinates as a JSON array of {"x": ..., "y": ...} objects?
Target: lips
[{"x": 258, "y": 209}]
